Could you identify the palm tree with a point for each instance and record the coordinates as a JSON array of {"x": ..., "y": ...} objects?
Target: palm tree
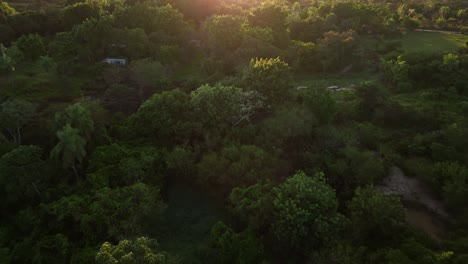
[
  {"x": 78, "y": 117},
  {"x": 70, "y": 148}
]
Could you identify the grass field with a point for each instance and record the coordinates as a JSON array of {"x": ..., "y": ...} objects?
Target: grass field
[
  {"x": 323, "y": 81},
  {"x": 432, "y": 41}
]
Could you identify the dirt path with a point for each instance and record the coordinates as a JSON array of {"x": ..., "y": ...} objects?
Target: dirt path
[
  {"x": 423, "y": 211},
  {"x": 411, "y": 190}
]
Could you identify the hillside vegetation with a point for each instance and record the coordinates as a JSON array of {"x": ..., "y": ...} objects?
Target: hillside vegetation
[{"x": 231, "y": 131}]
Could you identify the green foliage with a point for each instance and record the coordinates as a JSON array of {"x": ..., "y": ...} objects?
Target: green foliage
[
  {"x": 336, "y": 49},
  {"x": 396, "y": 74},
  {"x": 180, "y": 162},
  {"x": 219, "y": 108},
  {"x": 164, "y": 118},
  {"x": 107, "y": 213},
  {"x": 116, "y": 165},
  {"x": 79, "y": 12},
  {"x": 252, "y": 205},
  {"x": 375, "y": 215},
  {"x": 234, "y": 137},
  {"x": 305, "y": 212},
  {"x": 269, "y": 77},
  {"x": 287, "y": 127},
  {"x": 163, "y": 24},
  {"x": 6, "y": 10},
  {"x": 142, "y": 250},
  {"x": 225, "y": 32},
  {"x": 6, "y": 62},
  {"x": 452, "y": 179},
  {"x": 14, "y": 115},
  {"x": 31, "y": 46},
  {"x": 226, "y": 246},
  {"x": 235, "y": 166},
  {"x": 304, "y": 56},
  {"x": 321, "y": 103},
  {"x": 22, "y": 176},
  {"x": 70, "y": 149},
  {"x": 76, "y": 116},
  {"x": 148, "y": 74}
]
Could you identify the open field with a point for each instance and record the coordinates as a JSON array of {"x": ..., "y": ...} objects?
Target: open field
[
  {"x": 432, "y": 41},
  {"x": 326, "y": 80}
]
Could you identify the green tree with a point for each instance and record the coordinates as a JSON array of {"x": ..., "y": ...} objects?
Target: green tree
[
  {"x": 226, "y": 246},
  {"x": 450, "y": 63},
  {"x": 164, "y": 24},
  {"x": 304, "y": 56},
  {"x": 47, "y": 63},
  {"x": 106, "y": 214},
  {"x": 376, "y": 215},
  {"x": 7, "y": 63},
  {"x": 220, "y": 108},
  {"x": 79, "y": 12},
  {"x": 336, "y": 50},
  {"x": 321, "y": 103},
  {"x": 164, "y": 118},
  {"x": 370, "y": 97},
  {"x": 142, "y": 250},
  {"x": 272, "y": 16},
  {"x": 22, "y": 176},
  {"x": 117, "y": 165},
  {"x": 269, "y": 77},
  {"x": 31, "y": 46},
  {"x": 396, "y": 74},
  {"x": 70, "y": 149},
  {"x": 289, "y": 126},
  {"x": 305, "y": 212},
  {"x": 253, "y": 205},
  {"x": 6, "y": 11},
  {"x": 235, "y": 166},
  {"x": 14, "y": 115},
  {"x": 150, "y": 76},
  {"x": 78, "y": 117},
  {"x": 225, "y": 32},
  {"x": 452, "y": 182}
]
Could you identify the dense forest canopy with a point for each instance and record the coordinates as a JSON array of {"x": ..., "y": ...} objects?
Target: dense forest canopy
[{"x": 234, "y": 131}]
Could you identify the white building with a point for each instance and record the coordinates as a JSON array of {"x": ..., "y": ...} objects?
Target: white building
[{"x": 115, "y": 61}]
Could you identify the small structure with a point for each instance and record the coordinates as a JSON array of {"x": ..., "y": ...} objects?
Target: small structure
[{"x": 115, "y": 61}]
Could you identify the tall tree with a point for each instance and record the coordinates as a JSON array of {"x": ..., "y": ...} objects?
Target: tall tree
[
  {"x": 305, "y": 212},
  {"x": 14, "y": 114},
  {"x": 165, "y": 118},
  {"x": 142, "y": 250},
  {"x": 77, "y": 116},
  {"x": 375, "y": 215},
  {"x": 21, "y": 176},
  {"x": 70, "y": 149},
  {"x": 31, "y": 46},
  {"x": 270, "y": 77},
  {"x": 222, "y": 107}
]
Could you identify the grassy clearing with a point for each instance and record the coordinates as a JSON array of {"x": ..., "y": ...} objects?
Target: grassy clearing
[
  {"x": 319, "y": 80},
  {"x": 432, "y": 41}
]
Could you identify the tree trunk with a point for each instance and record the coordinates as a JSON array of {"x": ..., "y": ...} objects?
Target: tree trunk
[
  {"x": 18, "y": 133},
  {"x": 36, "y": 189},
  {"x": 13, "y": 136},
  {"x": 76, "y": 173}
]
